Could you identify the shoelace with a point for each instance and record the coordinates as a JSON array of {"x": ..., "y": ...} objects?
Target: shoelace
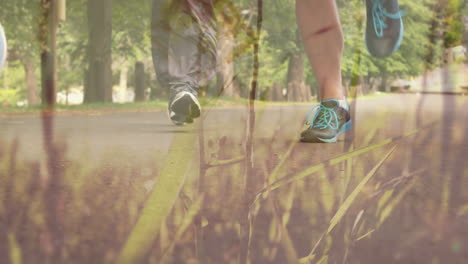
[
  {"x": 325, "y": 120},
  {"x": 379, "y": 14}
]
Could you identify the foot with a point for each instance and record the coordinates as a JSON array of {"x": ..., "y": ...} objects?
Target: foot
[
  {"x": 329, "y": 121},
  {"x": 384, "y": 29},
  {"x": 183, "y": 105},
  {"x": 3, "y": 48}
]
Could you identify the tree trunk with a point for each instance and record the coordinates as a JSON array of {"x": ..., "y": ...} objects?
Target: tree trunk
[
  {"x": 359, "y": 87},
  {"x": 99, "y": 88},
  {"x": 372, "y": 86},
  {"x": 139, "y": 82},
  {"x": 47, "y": 40},
  {"x": 48, "y": 83},
  {"x": 225, "y": 80},
  {"x": 275, "y": 93},
  {"x": 31, "y": 82},
  {"x": 278, "y": 92},
  {"x": 366, "y": 85},
  {"x": 383, "y": 83},
  {"x": 295, "y": 79},
  {"x": 307, "y": 92}
]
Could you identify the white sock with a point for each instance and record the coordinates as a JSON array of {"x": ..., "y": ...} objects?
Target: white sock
[{"x": 343, "y": 103}]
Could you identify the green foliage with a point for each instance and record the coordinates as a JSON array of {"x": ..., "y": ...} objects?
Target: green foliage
[
  {"x": 407, "y": 61},
  {"x": 72, "y": 41},
  {"x": 9, "y": 97},
  {"x": 279, "y": 38},
  {"x": 453, "y": 20},
  {"x": 280, "y": 23},
  {"x": 12, "y": 86},
  {"x": 272, "y": 68},
  {"x": 20, "y": 19},
  {"x": 131, "y": 30}
]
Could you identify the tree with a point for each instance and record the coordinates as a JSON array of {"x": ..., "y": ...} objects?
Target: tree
[
  {"x": 407, "y": 61},
  {"x": 130, "y": 37},
  {"x": 98, "y": 85},
  {"x": 48, "y": 47},
  {"x": 20, "y": 19},
  {"x": 283, "y": 34}
]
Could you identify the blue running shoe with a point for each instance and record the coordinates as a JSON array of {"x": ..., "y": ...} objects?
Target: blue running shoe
[
  {"x": 183, "y": 104},
  {"x": 328, "y": 122},
  {"x": 384, "y": 28},
  {"x": 3, "y": 48}
]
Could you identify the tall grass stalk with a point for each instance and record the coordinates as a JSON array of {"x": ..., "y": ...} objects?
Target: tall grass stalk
[
  {"x": 187, "y": 221},
  {"x": 347, "y": 203},
  {"x": 249, "y": 150},
  {"x": 161, "y": 200}
]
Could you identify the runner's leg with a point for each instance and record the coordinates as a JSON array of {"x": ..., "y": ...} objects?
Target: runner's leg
[{"x": 322, "y": 36}]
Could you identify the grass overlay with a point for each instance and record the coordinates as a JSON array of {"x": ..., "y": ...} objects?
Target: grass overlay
[{"x": 161, "y": 200}]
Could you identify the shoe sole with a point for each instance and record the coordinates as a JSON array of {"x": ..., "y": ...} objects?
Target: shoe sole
[
  {"x": 346, "y": 127},
  {"x": 397, "y": 44},
  {"x": 186, "y": 107}
]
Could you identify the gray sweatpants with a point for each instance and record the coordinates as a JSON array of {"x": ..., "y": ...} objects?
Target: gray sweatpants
[{"x": 183, "y": 39}]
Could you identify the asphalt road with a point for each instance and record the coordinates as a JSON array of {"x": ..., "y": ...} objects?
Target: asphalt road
[{"x": 145, "y": 134}]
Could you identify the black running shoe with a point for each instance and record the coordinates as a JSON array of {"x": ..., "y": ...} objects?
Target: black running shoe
[
  {"x": 329, "y": 121},
  {"x": 384, "y": 28},
  {"x": 183, "y": 104}
]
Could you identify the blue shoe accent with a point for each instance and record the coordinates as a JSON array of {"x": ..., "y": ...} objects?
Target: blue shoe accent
[
  {"x": 327, "y": 119},
  {"x": 379, "y": 15},
  {"x": 400, "y": 38}
]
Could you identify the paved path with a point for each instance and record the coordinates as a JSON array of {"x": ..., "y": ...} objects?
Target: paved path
[{"x": 146, "y": 133}]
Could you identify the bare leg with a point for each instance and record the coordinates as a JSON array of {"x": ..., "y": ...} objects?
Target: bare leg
[{"x": 322, "y": 36}]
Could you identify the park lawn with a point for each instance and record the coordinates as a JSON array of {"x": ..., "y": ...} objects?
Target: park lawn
[{"x": 151, "y": 106}]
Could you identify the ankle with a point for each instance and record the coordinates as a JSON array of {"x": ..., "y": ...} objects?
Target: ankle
[
  {"x": 341, "y": 102},
  {"x": 336, "y": 94}
]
